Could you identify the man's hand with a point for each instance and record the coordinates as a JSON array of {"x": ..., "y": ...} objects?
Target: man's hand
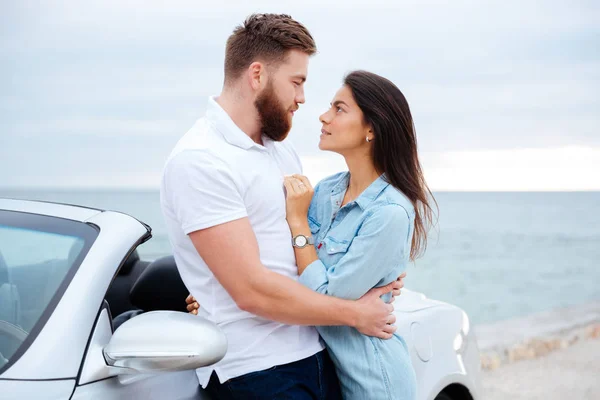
[
  {"x": 376, "y": 317},
  {"x": 192, "y": 304}
]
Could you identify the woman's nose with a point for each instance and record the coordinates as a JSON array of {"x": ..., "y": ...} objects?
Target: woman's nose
[{"x": 323, "y": 118}]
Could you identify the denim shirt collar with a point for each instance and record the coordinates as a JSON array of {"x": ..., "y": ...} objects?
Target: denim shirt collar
[{"x": 367, "y": 196}]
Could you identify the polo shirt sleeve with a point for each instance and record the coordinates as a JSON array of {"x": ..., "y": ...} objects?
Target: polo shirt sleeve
[
  {"x": 202, "y": 191},
  {"x": 378, "y": 249}
]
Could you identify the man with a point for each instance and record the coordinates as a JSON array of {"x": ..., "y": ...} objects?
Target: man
[{"x": 223, "y": 201}]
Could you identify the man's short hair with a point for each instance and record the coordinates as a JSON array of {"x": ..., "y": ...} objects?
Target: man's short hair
[{"x": 266, "y": 38}]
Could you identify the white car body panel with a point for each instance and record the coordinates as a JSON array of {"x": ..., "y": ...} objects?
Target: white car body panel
[
  {"x": 74, "y": 213},
  {"x": 171, "y": 385},
  {"x": 94, "y": 364},
  {"x": 37, "y": 390},
  {"x": 426, "y": 326}
]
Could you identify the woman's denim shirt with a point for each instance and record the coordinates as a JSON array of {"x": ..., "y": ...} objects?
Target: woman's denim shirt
[
  {"x": 362, "y": 245},
  {"x": 378, "y": 225}
]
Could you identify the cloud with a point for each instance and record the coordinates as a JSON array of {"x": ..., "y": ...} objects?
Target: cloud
[
  {"x": 113, "y": 81},
  {"x": 566, "y": 168},
  {"x": 105, "y": 128}
]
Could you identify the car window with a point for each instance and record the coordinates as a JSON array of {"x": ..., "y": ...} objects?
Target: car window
[{"x": 38, "y": 257}]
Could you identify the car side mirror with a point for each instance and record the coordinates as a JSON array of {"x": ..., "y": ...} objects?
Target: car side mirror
[{"x": 162, "y": 341}]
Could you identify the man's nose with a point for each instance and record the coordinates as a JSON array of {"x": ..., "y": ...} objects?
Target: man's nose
[{"x": 300, "y": 97}]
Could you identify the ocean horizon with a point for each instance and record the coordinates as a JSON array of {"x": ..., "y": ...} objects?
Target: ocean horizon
[{"x": 497, "y": 255}]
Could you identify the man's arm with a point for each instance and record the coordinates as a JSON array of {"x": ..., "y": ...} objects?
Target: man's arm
[{"x": 231, "y": 252}]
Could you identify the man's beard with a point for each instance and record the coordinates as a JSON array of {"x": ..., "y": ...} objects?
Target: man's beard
[{"x": 274, "y": 119}]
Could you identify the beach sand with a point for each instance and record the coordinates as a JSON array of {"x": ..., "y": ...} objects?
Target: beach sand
[
  {"x": 568, "y": 373},
  {"x": 550, "y": 355}
]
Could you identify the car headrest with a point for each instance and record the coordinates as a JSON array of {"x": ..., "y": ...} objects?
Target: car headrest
[
  {"x": 159, "y": 287},
  {"x": 129, "y": 263}
]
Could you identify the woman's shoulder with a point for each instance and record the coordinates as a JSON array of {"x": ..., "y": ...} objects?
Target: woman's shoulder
[{"x": 394, "y": 197}]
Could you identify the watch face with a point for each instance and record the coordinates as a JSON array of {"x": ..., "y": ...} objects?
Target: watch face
[{"x": 301, "y": 241}]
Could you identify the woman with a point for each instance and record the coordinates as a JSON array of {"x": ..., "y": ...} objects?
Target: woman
[{"x": 366, "y": 224}]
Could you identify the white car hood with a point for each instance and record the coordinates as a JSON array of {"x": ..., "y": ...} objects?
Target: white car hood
[{"x": 410, "y": 301}]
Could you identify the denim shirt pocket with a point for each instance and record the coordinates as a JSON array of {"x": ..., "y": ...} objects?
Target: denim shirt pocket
[{"x": 335, "y": 249}]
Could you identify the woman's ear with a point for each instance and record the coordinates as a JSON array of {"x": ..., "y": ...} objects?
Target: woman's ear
[{"x": 370, "y": 135}]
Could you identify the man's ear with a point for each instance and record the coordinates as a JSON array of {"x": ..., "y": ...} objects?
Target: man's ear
[{"x": 257, "y": 75}]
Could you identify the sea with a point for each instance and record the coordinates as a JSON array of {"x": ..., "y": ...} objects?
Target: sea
[{"x": 496, "y": 255}]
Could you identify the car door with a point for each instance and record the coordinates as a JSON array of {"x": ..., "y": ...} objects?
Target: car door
[
  {"x": 173, "y": 385},
  {"x": 93, "y": 382}
]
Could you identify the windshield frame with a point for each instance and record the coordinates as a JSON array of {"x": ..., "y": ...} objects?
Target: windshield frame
[{"x": 56, "y": 225}]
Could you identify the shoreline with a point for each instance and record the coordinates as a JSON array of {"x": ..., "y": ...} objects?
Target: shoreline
[{"x": 536, "y": 335}]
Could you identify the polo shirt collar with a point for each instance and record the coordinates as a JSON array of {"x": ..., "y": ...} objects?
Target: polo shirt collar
[
  {"x": 230, "y": 131},
  {"x": 368, "y": 195}
]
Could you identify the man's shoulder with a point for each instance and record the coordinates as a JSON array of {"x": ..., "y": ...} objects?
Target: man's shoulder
[
  {"x": 199, "y": 145},
  {"x": 199, "y": 137},
  {"x": 194, "y": 158}
]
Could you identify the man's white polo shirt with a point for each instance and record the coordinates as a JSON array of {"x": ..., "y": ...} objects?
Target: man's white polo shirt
[{"x": 214, "y": 175}]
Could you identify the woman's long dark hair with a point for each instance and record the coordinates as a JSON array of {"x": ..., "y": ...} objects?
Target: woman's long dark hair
[{"x": 394, "y": 154}]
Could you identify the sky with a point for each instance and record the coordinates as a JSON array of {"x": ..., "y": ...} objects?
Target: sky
[{"x": 504, "y": 94}]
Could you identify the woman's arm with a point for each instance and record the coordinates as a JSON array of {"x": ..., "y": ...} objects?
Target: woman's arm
[
  {"x": 305, "y": 255},
  {"x": 380, "y": 247},
  {"x": 299, "y": 196}
]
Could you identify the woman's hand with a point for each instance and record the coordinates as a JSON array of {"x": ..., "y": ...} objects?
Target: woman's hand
[
  {"x": 192, "y": 305},
  {"x": 298, "y": 198}
]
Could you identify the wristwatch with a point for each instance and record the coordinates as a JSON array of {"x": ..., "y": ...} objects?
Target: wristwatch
[{"x": 301, "y": 241}]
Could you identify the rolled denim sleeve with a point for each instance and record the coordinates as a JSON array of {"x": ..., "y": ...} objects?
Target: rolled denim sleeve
[{"x": 379, "y": 248}]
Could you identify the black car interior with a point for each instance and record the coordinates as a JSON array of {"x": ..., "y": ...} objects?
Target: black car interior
[{"x": 142, "y": 286}]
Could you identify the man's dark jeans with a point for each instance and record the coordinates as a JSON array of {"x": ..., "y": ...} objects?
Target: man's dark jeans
[{"x": 311, "y": 378}]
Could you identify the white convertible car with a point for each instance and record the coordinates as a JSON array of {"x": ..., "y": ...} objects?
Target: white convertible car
[{"x": 66, "y": 271}]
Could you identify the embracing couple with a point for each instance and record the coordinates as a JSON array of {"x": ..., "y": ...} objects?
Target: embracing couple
[{"x": 299, "y": 279}]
